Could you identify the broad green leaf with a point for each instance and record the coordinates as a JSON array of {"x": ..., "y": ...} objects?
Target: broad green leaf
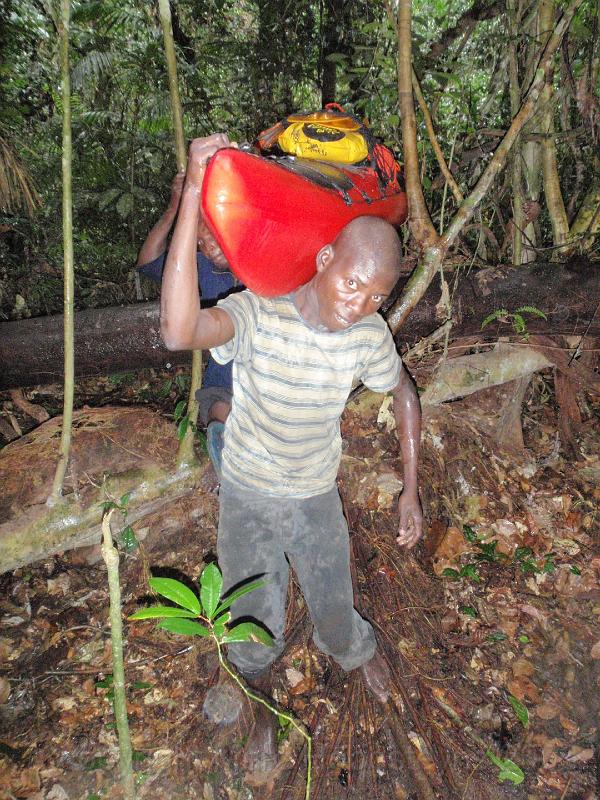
[
  {"x": 231, "y": 598},
  {"x": 182, "y": 427},
  {"x": 211, "y": 583},
  {"x": 125, "y": 499},
  {"x": 497, "y": 636},
  {"x": 157, "y": 612},
  {"x": 248, "y": 632},
  {"x": 177, "y": 592},
  {"x": 520, "y": 711},
  {"x": 186, "y": 627},
  {"x": 129, "y": 540},
  {"x": 507, "y": 769},
  {"x": 469, "y": 611},
  {"x": 448, "y": 572},
  {"x": 219, "y": 625}
]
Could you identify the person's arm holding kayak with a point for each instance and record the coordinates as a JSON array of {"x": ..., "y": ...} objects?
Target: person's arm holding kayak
[{"x": 184, "y": 326}]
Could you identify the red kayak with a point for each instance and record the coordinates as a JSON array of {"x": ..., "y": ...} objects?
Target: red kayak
[{"x": 271, "y": 216}]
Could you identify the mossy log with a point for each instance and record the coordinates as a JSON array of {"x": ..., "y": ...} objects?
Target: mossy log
[{"x": 115, "y": 452}]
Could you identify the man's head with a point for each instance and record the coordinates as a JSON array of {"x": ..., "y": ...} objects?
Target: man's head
[
  {"x": 356, "y": 272},
  {"x": 208, "y": 245}
]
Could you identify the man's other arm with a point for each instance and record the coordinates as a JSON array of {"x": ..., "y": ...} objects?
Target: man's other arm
[
  {"x": 155, "y": 243},
  {"x": 407, "y": 413},
  {"x": 183, "y": 325}
]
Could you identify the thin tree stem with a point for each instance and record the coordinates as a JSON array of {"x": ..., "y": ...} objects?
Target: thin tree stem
[
  {"x": 185, "y": 455},
  {"x": 69, "y": 279},
  {"x": 111, "y": 559}
]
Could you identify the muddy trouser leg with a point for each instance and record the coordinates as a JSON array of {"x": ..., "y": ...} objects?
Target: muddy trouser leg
[
  {"x": 249, "y": 546},
  {"x": 319, "y": 552}
]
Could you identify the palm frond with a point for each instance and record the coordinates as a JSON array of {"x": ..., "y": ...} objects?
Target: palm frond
[
  {"x": 17, "y": 189},
  {"x": 94, "y": 64}
]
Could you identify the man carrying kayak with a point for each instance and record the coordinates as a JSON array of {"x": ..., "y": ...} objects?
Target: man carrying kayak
[{"x": 295, "y": 359}]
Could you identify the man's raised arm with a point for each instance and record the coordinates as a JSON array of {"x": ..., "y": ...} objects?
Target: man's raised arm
[{"x": 183, "y": 325}]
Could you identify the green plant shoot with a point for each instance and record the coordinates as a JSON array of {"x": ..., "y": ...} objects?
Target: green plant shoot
[{"x": 209, "y": 616}]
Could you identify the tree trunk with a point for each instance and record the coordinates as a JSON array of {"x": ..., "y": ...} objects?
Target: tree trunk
[
  {"x": 106, "y": 340},
  {"x": 552, "y": 192},
  {"x": 126, "y": 338}
]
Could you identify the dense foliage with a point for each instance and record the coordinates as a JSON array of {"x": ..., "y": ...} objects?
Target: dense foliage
[{"x": 242, "y": 65}]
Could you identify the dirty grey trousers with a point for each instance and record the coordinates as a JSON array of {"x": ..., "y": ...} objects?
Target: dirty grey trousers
[{"x": 256, "y": 533}]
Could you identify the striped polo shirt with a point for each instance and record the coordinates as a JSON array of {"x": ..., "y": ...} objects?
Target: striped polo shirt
[{"x": 290, "y": 385}]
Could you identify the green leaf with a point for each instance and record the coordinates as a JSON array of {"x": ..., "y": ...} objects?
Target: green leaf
[
  {"x": 528, "y": 566},
  {"x": 499, "y": 312},
  {"x": 158, "y": 612},
  {"x": 125, "y": 499},
  {"x": 165, "y": 389},
  {"x": 129, "y": 540},
  {"x": 469, "y": 533},
  {"x": 522, "y": 552},
  {"x": 523, "y": 638},
  {"x": 488, "y": 551},
  {"x": 518, "y": 323},
  {"x": 179, "y": 410},
  {"x": 137, "y": 756},
  {"x": 220, "y": 623},
  {"x": 231, "y": 598},
  {"x": 96, "y": 763},
  {"x": 497, "y": 636},
  {"x": 182, "y": 427},
  {"x": 177, "y": 592},
  {"x": 520, "y": 711},
  {"x": 469, "y": 611},
  {"x": 507, "y": 769},
  {"x": 105, "y": 683},
  {"x": 186, "y": 627},
  {"x": 448, "y": 572},
  {"x": 469, "y": 571},
  {"x": 211, "y": 583},
  {"x": 575, "y": 570},
  {"x": 531, "y": 310},
  {"x": 248, "y": 632},
  {"x": 141, "y": 685}
]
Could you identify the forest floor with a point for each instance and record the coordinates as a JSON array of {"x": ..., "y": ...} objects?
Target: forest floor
[{"x": 490, "y": 628}]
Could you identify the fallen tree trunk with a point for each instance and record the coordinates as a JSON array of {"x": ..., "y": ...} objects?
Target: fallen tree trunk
[
  {"x": 107, "y": 340},
  {"x": 127, "y": 338}
]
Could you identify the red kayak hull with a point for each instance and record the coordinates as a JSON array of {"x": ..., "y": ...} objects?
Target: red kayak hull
[{"x": 271, "y": 220}]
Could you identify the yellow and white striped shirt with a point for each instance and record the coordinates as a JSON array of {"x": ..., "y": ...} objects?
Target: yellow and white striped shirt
[{"x": 290, "y": 385}]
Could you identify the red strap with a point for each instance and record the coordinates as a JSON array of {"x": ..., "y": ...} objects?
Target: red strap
[{"x": 335, "y": 106}]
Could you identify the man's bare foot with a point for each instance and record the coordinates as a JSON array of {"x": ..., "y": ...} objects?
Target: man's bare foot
[{"x": 376, "y": 675}]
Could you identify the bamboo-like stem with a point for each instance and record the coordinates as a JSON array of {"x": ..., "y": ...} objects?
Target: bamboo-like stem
[
  {"x": 465, "y": 212},
  {"x": 287, "y": 717},
  {"x": 68, "y": 278},
  {"x": 111, "y": 559},
  {"x": 434, "y": 246},
  {"x": 185, "y": 456},
  {"x": 454, "y": 187},
  {"x": 419, "y": 218},
  {"x": 515, "y": 103},
  {"x": 552, "y": 191}
]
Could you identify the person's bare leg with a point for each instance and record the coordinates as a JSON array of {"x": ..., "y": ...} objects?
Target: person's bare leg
[{"x": 219, "y": 411}]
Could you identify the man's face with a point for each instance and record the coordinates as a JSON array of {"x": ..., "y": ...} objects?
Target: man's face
[
  {"x": 350, "y": 287},
  {"x": 207, "y": 244}
]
